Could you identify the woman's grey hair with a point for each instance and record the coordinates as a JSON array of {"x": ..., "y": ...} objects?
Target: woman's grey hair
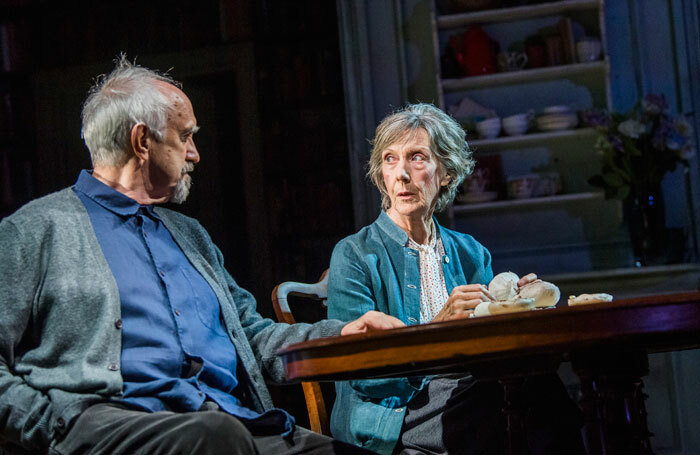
[
  {"x": 129, "y": 95},
  {"x": 447, "y": 143}
]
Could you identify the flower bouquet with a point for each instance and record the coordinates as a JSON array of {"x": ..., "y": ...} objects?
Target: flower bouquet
[{"x": 637, "y": 149}]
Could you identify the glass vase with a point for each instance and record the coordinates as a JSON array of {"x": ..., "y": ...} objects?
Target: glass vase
[{"x": 644, "y": 212}]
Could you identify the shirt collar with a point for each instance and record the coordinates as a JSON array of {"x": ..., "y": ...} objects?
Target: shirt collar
[
  {"x": 108, "y": 197},
  {"x": 391, "y": 229},
  {"x": 397, "y": 234}
]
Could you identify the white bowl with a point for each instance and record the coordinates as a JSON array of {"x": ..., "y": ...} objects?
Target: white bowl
[
  {"x": 489, "y": 128},
  {"x": 515, "y": 129},
  {"x": 516, "y": 119},
  {"x": 554, "y": 122},
  {"x": 559, "y": 109},
  {"x": 490, "y": 122}
]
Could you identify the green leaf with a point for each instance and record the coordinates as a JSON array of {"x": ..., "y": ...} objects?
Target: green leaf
[
  {"x": 623, "y": 192},
  {"x": 630, "y": 147},
  {"x": 613, "y": 179}
]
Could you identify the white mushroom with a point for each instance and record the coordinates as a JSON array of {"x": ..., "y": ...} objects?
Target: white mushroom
[
  {"x": 545, "y": 293},
  {"x": 482, "y": 309},
  {"x": 504, "y": 286},
  {"x": 513, "y": 305},
  {"x": 584, "y": 299}
]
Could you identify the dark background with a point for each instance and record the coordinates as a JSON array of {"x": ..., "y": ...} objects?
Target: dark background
[
  {"x": 56, "y": 49},
  {"x": 273, "y": 186}
]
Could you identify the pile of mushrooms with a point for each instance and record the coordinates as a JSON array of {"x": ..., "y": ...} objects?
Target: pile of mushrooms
[{"x": 509, "y": 298}]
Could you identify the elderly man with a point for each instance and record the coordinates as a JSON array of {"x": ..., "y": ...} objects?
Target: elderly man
[{"x": 121, "y": 331}]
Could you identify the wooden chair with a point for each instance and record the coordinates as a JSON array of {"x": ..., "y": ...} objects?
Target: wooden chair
[{"x": 315, "y": 404}]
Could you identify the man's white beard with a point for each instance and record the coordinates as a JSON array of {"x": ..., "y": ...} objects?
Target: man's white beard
[{"x": 182, "y": 188}]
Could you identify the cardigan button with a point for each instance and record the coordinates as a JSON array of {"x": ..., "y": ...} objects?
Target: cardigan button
[
  {"x": 118, "y": 324},
  {"x": 447, "y": 259},
  {"x": 113, "y": 367},
  {"x": 60, "y": 422}
]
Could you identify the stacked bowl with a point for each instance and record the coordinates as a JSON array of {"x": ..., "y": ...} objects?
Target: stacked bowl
[
  {"x": 557, "y": 118},
  {"x": 489, "y": 128},
  {"x": 516, "y": 125}
]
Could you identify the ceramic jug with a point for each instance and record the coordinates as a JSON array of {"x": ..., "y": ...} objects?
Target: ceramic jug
[{"x": 480, "y": 52}]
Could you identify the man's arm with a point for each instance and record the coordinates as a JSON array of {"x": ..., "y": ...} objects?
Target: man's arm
[
  {"x": 25, "y": 412},
  {"x": 371, "y": 321}
]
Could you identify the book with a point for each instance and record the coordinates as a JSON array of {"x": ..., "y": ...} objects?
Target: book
[{"x": 567, "y": 37}]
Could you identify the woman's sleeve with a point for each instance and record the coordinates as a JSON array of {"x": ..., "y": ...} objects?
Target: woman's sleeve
[{"x": 350, "y": 295}]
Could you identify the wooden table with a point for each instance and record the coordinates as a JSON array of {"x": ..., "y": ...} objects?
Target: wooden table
[{"x": 606, "y": 343}]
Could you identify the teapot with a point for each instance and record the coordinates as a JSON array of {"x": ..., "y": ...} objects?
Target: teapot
[{"x": 480, "y": 52}]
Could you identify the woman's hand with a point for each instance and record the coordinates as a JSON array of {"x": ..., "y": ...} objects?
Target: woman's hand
[
  {"x": 462, "y": 301},
  {"x": 527, "y": 279}
]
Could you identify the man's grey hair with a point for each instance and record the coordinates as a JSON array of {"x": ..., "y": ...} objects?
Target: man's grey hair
[
  {"x": 129, "y": 95},
  {"x": 447, "y": 143}
]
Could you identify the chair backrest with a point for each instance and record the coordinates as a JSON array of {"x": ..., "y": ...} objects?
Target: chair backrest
[{"x": 316, "y": 292}]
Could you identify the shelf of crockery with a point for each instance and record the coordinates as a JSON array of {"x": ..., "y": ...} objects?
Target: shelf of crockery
[
  {"x": 515, "y": 13},
  {"x": 597, "y": 68},
  {"x": 525, "y": 203},
  {"x": 482, "y": 145}
]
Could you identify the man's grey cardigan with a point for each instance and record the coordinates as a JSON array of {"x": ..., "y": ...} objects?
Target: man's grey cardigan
[{"x": 60, "y": 342}]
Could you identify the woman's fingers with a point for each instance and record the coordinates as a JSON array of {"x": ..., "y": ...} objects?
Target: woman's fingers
[
  {"x": 527, "y": 279},
  {"x": 469, "y": 290}
]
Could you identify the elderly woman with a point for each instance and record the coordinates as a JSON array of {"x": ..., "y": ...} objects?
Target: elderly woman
[{"x": 405, "y": 264}]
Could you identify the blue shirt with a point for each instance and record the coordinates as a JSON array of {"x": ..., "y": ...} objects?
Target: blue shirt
[{"x": 175, "y": 351}]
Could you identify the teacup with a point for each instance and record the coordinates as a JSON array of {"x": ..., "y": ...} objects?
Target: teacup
[
  {"x": 477, "y": 182},
  {"x": 511, "y": 61},
  {"x": 549, "y": 184},
  {"x": 522, "y": 186},
  {"x": 588, "y": 49}
]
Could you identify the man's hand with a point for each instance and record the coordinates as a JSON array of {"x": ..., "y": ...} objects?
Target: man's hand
[
  {"x": 527, "y": 279},
  {"x": 462, "y": 301},
  {"x": 371, "y": 320}
]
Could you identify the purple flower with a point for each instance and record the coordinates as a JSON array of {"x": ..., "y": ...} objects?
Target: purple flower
[
  {"x": 595, "y": 117},
  {"x": 615, "y": 141},
  {"x": 659, "y": 134},
  {"x": 654, "y": 104}
]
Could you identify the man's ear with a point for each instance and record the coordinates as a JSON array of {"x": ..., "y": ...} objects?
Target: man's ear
[{"x": 140, "y": 141}]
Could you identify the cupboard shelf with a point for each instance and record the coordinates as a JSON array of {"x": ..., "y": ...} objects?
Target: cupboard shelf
[
  {"x": 517, "y": 13},
  {"x": 525, "y": 76},
  {"x": 524, "y": 140},
  {"x": 526, "y": 203}
]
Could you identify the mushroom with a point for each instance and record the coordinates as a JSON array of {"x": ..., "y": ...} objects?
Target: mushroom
[
  {"x": 584, "y": 299},
  {"x": 513, "y": 305},
  {"x": 545, "y": 293},
  {"x": 504, "y": 286}
]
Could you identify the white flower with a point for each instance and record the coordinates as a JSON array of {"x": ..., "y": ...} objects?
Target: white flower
[
  {"x": 681, "y": 125},
  {"x": 631, "y": 128},
  {"x": 650, "y": 107},
  {"x": 672, "y": 143},
  {"x": 687, "y": 153}
]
